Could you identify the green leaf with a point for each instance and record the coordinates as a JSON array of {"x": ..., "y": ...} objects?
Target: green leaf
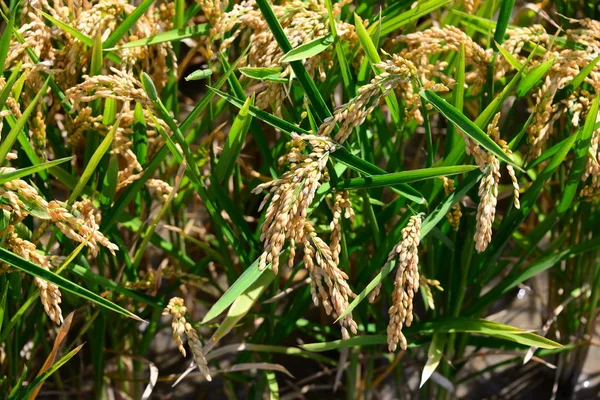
[
  {"x": 358, "y": 341},
  {"x": 388, "y": 25},
  {"x": 349, "y": 84},
  {"x": 5, "y": 38},
  {"x": 240, "y": 306},
  {"x": 264, "y": 74},
  {"x": 403, "y": 177},
  {"x": 308, "y": 50},
  {"x": 233, "y": 144},
  {"x": 503, "y": 19},
  {"x": 3, "y": 305},
  {"x": 581, "y": 156},
  {"x": 96, "y": 64},
  {"x": 70, "y": 30},
  {"x": 373, "y": 57},
  {"x": 302, "y": 75},
  {"x": 109, "y": 183},
  {"x": 127, "y": 24},
  {"x": 47, "y": 275},
  {"x": 94, "y": 279},
  {"x": 434, "y": 356},
  {"x": 6, "y": 90},
  {"x": 188, "y": 122},
  {"x": 515, "y": 278},
  {"x": 341, "y": 154},
  {"x": 428, "y": 224},
  {"x": 198, "y": 75},
  {"x": 512, "y": 60},
  {"x": 453, "y": 138},
  {"x": 40, "y": 379},
  {"x": 495, "y": 105},
  {"x": 90, "y": 168},
  {"x": 533, "y": 77},
  {"x": 17, "y": 317},
  {"x": 20, "y": 124},
  {"x": 446, "y": 325},
  {"x": 250, "y": 275},
  {"x": 173, "y": 35},
  {"x": 19, "y": 173},
  {"x": 89, "y": 42},
  {"x": 554, "y": 149},
  {"x": 264, "y": 348},
  {"x": 191, "y": 166},
  {"x": 467, "y": 126},
  {"x": 264, "y": 116},
  {"x": 577, "y": 80}
]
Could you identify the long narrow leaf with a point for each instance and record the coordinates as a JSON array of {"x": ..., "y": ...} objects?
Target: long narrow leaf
[
  {"x": 308, "y": 50},
  {"x": 173, "y": 35},
  {"x": 428, "y": 224},
  {"x": 94, "y": 161},
  {"x": 581, "y": 156},
  {"x": 533, "y": 77},
  {"x": 63, "y": 283},
  {"x": 20, "y": 124},
  {"x": 127, "y": 24},
  {"x": 233, "y": 144},
  {"x": 20, "y": 173},
  {"x": 302, "y": 75},
  {"x": 250, "y": 275},
  {"x": 467, "y": 126},
  {"x": 403, "y": 177}
]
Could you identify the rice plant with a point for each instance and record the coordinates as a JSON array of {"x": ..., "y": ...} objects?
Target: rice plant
[{"x": 299, "y": 198}]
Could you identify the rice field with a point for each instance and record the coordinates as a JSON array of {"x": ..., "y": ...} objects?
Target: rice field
[{"x": 265, "y": 199}]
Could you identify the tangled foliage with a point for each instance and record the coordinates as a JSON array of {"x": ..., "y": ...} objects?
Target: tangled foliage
[{"x": 249, "y": 207}]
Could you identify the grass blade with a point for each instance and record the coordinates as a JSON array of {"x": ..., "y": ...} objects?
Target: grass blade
[
  {"x": 250, "y": 275},
  {"x": 503, "y": 19},
  {"x": 127, "y": 24},
  {"x": 199, "y": 75},
  {"x": 578, "y": 80},
  {"x": 240, "y": 307},
  {"x": 70, "y": 30},
  {"x": 373, "y": 56},
  {"x": 428, "y": 224},
  {"x": 5, "y": 38},
  {"x": 446, "y": 325},
  {"x": 10, "y": 82},
  {"x": 402, "y": 177},
  {"x": 302, "y": 75},
  {"x": 174, "y": 35},
  {"x": 264, "y": 74},
  {"x": 467, "y": 126},
  {"x": 235, "y": 141},
  {"x": 581, "y": 156},
  {"x": 42, "y": 378},
  {"x": 341, "y": 154},
  {"x": 533, "y": 77},
  {"x": 495, "y": 105},
  {"x": 308, "y": 50},
  {"x": 512, "y": 60},
  {"x": 434, "y": 356},
  {"x": 37, "y": 271},
  {"x": 94, "y": 161},
  {"x": 388, "y": 25},
  {"x": 20, "y": 173},
  {"x": 89, "y": 42},
  {"x": 10, "y": 139}
]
